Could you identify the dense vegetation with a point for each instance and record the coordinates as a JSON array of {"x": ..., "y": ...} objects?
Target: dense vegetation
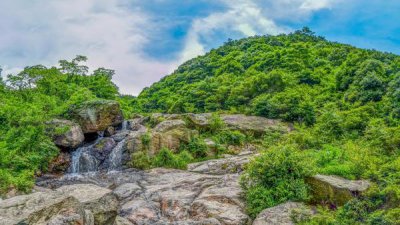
[
  {"x": 344, "y": 102},
  {"x": 29, "y": 99}
]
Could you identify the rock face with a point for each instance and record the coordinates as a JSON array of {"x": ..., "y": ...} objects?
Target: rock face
[
  {"x": 76, "y": 204},
  {"x": 229, "y": 165},
  {"x": 98, "y": 115},
  {"x": 169, "y": 134},
  {"x": 335, "y": 190},
  {"x": 65, "y": 133},
  {"x": 101, "y": 202},
  {"x": 160, "y": 196},
  {"x": 43, "y": 208},
  {"x": 283, "y": 214},
  {"x": 254, "y": 124}
]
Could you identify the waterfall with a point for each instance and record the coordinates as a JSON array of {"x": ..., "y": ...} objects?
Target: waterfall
[
  {"x": 87, "y": 158},
  {"x": 115, "y": 157},
  {"x": 83, "y": 161}
]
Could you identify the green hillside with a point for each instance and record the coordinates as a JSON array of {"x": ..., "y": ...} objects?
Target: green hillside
[{"x": 344, "y": 103}]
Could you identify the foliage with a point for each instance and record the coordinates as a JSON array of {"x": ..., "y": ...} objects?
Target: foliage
[
  {"x": 276, "y": 176},
  {"x": 28, "y": 100}
]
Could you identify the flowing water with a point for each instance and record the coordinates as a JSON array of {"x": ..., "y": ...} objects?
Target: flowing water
[{"x": 84, "y": 158}]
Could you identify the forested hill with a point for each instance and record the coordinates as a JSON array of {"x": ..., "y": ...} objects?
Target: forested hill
[{"x": 286, "y": 76}]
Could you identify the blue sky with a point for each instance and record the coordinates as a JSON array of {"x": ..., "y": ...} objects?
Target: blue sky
[{"x": 146, "y": 40}]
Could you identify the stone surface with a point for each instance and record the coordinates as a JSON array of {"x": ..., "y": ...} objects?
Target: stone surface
[
  {"x": 61, "y": 163},
  {"x": 97, "y": 115},
  {"x": 254, "y": 124},
  {"x": 42, "y": 208},
  {"x": 230, "y": 165},
  {"x": 65, "y": 133},
  {"x": 166, "y": 196},
  {"x": 100, "y": 201},
  {"x": 283, "y": 214},
  {"x": 335, "y": 190}
]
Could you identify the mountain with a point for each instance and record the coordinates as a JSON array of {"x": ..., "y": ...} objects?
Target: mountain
[{"x": 288, "y": 76}]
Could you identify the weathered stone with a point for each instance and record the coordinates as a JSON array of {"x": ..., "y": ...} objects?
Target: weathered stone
[
  {"x": 42, "y": 208},
  {"x": 122, "y": 221},
  {"x": 167, "y": 125},
  {"x": 110, "y": 131},
  {"x": 103, "y": 148},
  {"x": 94, "y": 116},
  {"x": 201, "y": 120},
  {"x": 65, "y": 133},
  {"x": 100, "y": 201},
  {"x": 60, "y": 164},
  {"x": 254, "y": 124},
  {"x": 177, "y": 197},
  {"x": 335, "y": 190},
  {"x": 234, "y": 164},
  {"x": 283, "y": 214}
]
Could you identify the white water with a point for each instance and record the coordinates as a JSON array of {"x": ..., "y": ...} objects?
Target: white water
[{"x": 83, "y": 160}]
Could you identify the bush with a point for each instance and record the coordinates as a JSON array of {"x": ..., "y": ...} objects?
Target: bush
[
  {"x": 274, "y": 177},
  {"x": 216, "y": 123},
  {"x": 140, "y": 160},
  {"x": 166, "y": 158},
  {"x": 196, "y": 147},
  {"x": 230, "y": 137}
]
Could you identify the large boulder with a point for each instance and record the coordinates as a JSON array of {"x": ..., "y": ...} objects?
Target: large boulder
[
  {"x": 229, "y": 165},
  {"x": 283, "y": 214},
  {"x": 97, "y": 115},
  {"x": 101, "y": 202},
  {"x": 254, "y": 124},
  {"x": 335, "y": 190},
  {"x": 166, "y": 196},
  {"x": 167, "y": 134},
  {"x": 43, "y": 208},
  {"x": 65, "y": 133}
]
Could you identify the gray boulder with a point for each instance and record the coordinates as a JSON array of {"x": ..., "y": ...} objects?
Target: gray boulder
[
  {"x": 65, "y": 133},
  {"x": 335, "y": 190},
  {"x": 284, "y": 214}
]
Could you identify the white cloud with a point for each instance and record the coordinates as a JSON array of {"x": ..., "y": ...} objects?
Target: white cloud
[{"x": 113, "y": 35}]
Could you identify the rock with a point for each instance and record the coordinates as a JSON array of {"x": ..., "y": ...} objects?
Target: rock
[
  {"x": 60, "y": 164},
  {"x": 283, "y": 214},
  {"x": 97, "y": 115},
  {"x": 122, "y": 221},
  {"x": 65, "y": 133},
  {"x": 118, "y": 137},
  {"x": 230, "y": 165},
  {"x": 178, "y": 197},
  {"x": 100, "y": 201},
  {"x": 127, "y": 190},
  {"x": 42, "y": 208},
  {"x": 103, "y": 148},
  {"x": 254, "y": 124},
  {"x": 335, "y": 190},
  {"x": 168, "y": 125},
  {"x": 201, "y": 120},
  {"x": 110, "y": 131},
  {"x": 168, "y": 134}
]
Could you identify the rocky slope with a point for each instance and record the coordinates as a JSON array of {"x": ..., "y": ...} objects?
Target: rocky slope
[{"x": 98, "y": 188}]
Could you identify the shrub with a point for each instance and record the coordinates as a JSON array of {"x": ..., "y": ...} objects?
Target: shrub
[
  {"x": 276, "y": 176},
  {"x": 166, "y": 158},
  {"x": 140, "y": 160},
  {"x": 230, "y": 137},
  {"x": 196, "y": 147},
  {"x": 216, "y": 123}
]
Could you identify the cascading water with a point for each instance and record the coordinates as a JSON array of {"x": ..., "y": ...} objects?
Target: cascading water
[{"x": 90, "y": 158}]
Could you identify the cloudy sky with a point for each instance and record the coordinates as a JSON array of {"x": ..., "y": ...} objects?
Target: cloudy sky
[{"x": 147, "y": 39}]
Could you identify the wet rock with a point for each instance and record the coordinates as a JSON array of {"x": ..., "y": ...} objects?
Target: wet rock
[
  {"x": 283, "y": 214},
  {"x": 100, "y": 201},
  {"x": 110, "y": 131},
  {"x": 335, "y": 190},
  {"x": 102, "y": 149},
  {"x": 65, "y": 133},
  {"x": 97, "y": 115},
  {"x": 60, "y": 164}
]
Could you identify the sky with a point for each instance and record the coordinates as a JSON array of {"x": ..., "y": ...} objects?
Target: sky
[{"x": 144, "y": 40}]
